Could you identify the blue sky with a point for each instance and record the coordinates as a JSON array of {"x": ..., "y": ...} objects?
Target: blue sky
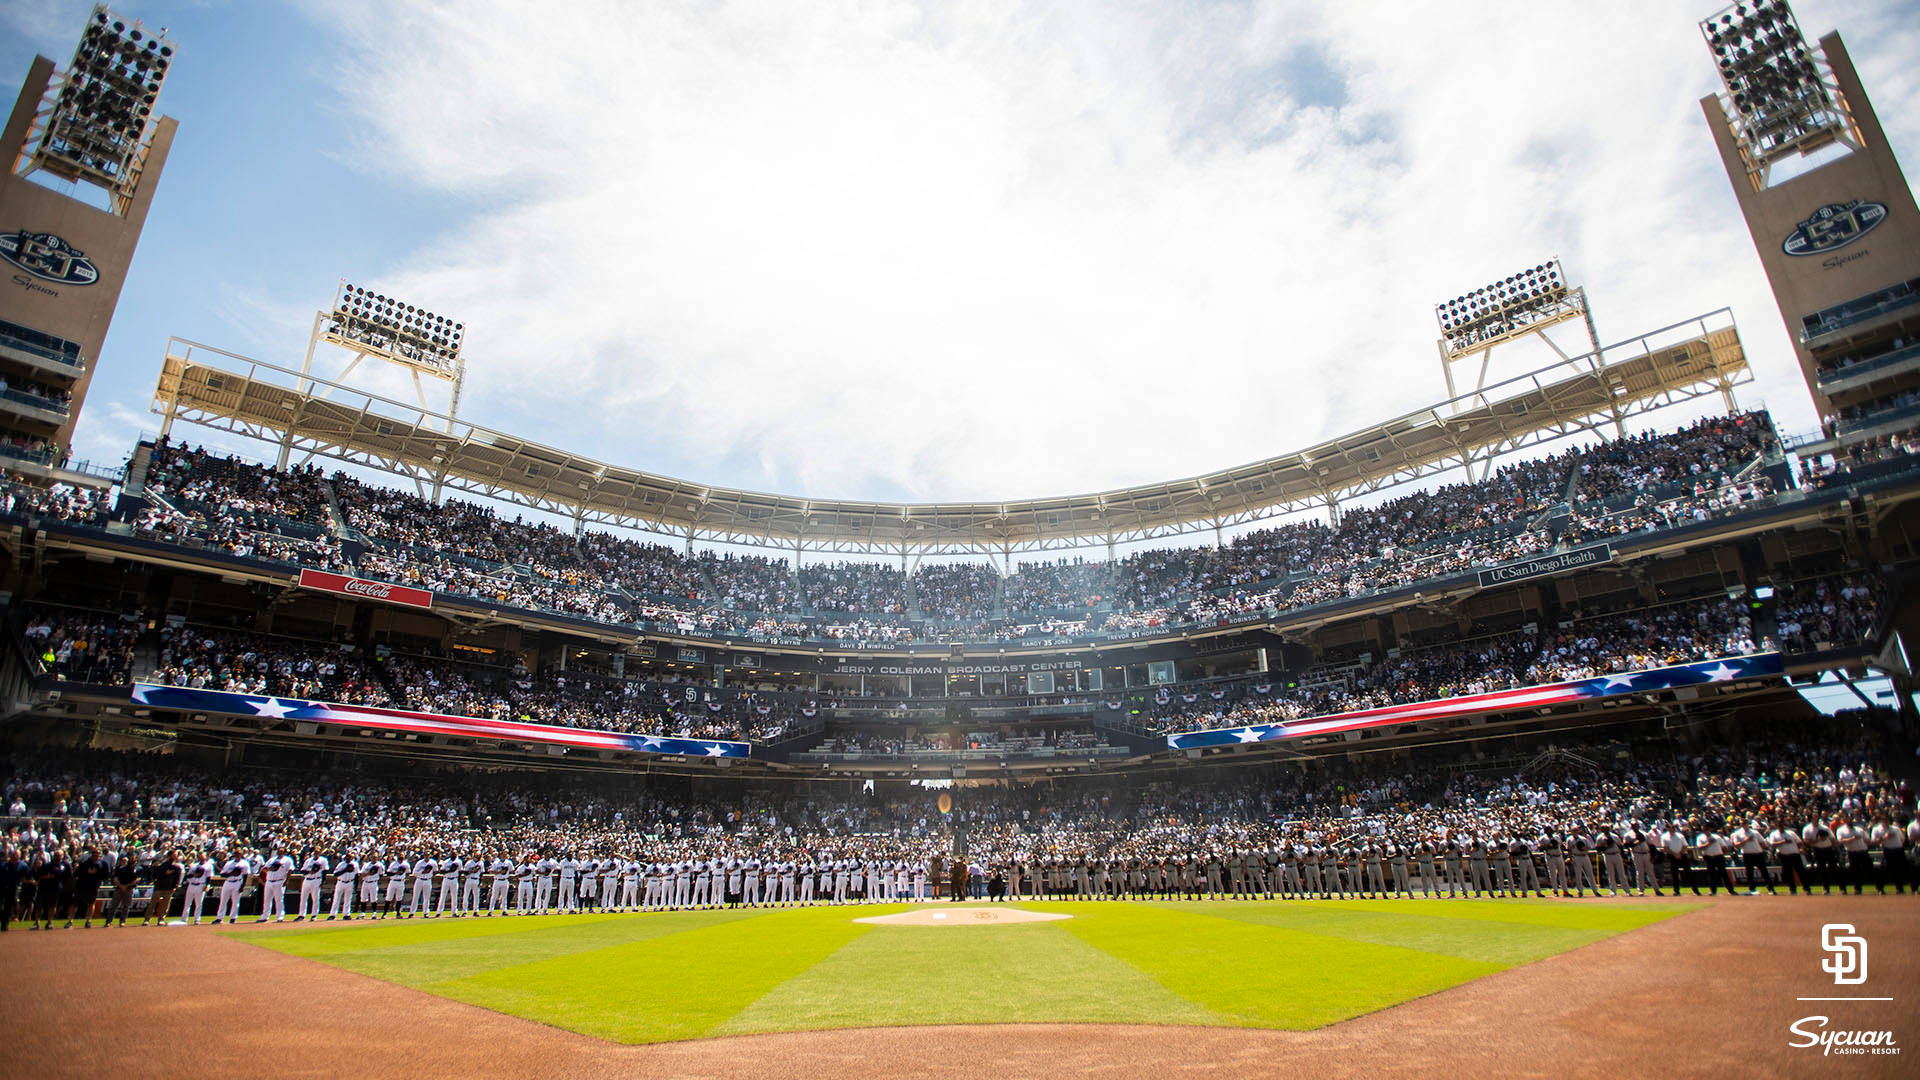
[{"x": 881, "y": 250}]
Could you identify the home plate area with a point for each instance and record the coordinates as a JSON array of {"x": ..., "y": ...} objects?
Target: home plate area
[{"x": 969, "y": 915}]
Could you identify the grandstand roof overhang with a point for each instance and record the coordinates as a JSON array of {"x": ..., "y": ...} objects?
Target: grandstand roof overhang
[{"x": 222, "y": 390}]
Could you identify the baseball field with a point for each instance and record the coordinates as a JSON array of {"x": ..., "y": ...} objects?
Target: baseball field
[
  {"x": 691, "y": 974},
  {"x": 1119, "y": 991}
]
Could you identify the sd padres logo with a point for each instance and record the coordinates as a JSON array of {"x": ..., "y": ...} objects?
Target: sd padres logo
[
  {"x": 1834, "y": 226},
  {"x": 47, "y": 257},
  {"x": 1848, "y": 964}
]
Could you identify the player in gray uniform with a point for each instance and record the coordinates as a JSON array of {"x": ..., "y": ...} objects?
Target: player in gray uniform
[
  {"x": 1397, "y": 870},
  {"x": 1423, "y": 859},
  {"x": 1580, "y": 863},
  {"x": 1525, "y": 875},
  {"x": 1612, "y": 860},
  {"x": 1310, "y": 859},
  {"x": 1479, "y": 875},
  {"x": 1499, "y": 865},
  {"x": 1549, "y": 849},
  {"x": 1640, "y": 848},
  {"x": 1452, "y": 859},
  {"x": 1375, "y": 863}
]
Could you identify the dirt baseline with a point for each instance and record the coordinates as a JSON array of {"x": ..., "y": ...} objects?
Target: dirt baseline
[
  {"x": 969, "y": 915},
  {"x": 1705, "y": 994}
]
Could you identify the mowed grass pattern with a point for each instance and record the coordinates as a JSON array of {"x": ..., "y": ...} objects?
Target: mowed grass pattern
[{"x": 679, "y": 975}]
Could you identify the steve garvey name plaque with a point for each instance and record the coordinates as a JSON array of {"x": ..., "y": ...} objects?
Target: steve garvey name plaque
[
  {"x": 1542, "y": 565},
  {"x": 365, "y": 589}
]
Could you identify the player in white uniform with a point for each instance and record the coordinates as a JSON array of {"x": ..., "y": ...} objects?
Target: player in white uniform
[
  {"x": 422, "y": 898},
  {"x": 312, "y": 872},
  {"x": 502, "y": 872},
  {"x": 630, "y": 884},
  {"x": 449, "y": 871},
  {"x": 523, "y": 876},
  {"x": 750, "y": 892},
  {"x": 370, "y": 870},
  {"x": 198, "y": 875},
  {"x": 544, "y": 871},
  {"x": 233, "y": 875},
  {"x": 344, "y": 873},
  {"x": 588, "y": 889},
  {"x": 609, "y": 883},
  {"x": 683, "y": 884},
  {"x": 396, "y": 886},
  {"x": 569, "y": 884},
  {"x": 470, "y": 870},
  {"x": 273, "y": 887}
]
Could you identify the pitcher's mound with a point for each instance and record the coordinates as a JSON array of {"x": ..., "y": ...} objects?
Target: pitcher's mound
[{"x": 963, "y": 916}]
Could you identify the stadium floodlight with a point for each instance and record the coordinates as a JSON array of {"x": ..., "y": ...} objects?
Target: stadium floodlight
[
  {"x": 375, "y": 326},
  {"x": 371, "y": 322},
  {"x": 1518, "y": 303},
  {"x": 103, "y": 109},
  {"x": 1524, "y": 303},
  {"x": 1776, "y": 93}
]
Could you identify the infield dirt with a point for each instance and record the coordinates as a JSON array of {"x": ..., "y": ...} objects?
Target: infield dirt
[{"x": 1710, "y": 993}]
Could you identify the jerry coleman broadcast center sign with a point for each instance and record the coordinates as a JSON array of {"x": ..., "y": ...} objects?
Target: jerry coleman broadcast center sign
[
  {"x": 364, "y": 589},
  {"x": 1542, "y": 565}
]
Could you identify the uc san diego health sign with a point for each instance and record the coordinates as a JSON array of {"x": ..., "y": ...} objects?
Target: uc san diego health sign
[{"x": 1542, "y": 565}]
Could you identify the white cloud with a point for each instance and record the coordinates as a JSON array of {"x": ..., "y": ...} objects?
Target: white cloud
[{"x": 974, "y": 251}]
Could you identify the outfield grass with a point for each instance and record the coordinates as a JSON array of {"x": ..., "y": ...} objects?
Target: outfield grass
[{"x": 679, "y": 975}]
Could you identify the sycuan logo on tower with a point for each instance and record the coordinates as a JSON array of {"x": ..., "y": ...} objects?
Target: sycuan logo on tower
[
  {"x": 1834, "y": 226},
  {"x": 48, "y": 258}
]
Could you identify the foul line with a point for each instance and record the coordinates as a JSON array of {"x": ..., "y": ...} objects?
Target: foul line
[{"x": 1846, "y": 999}]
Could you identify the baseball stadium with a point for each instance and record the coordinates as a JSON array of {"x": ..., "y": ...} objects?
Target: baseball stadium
[{"x": 1547, "y": 712}]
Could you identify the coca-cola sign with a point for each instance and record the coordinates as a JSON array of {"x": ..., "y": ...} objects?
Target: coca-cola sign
[{"x": 365, "y": 589}]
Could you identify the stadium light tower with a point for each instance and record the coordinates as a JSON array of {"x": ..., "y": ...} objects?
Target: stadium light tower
[
  {"x": 1830, "y": 213},
  {"x": 1780, "y": 101},
  {"x": 375, "y": 326},
  {"x": 84, "y": 150},
  {"x": 96, "y": 123},
  {"x": 1522, "y": 304}
]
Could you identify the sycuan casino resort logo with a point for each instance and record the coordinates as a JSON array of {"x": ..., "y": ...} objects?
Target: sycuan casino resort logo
[
  {"x": 48, "y": 258},
  {"x": 1834, "y": 226}
]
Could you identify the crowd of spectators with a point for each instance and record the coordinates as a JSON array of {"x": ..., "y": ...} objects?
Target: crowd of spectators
[
  {"x": 1626, "y": 485},
  {"x": 1809, "y": 615},
  {"x": 79, "y": 646},
  {"x": 59, "y": 501},
  {"x": 46, "y": 395},
  {"x": 880, "y": 743},
  {"x": 1545, "y": 799},
  {"x": 1828, "y": 612}
]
